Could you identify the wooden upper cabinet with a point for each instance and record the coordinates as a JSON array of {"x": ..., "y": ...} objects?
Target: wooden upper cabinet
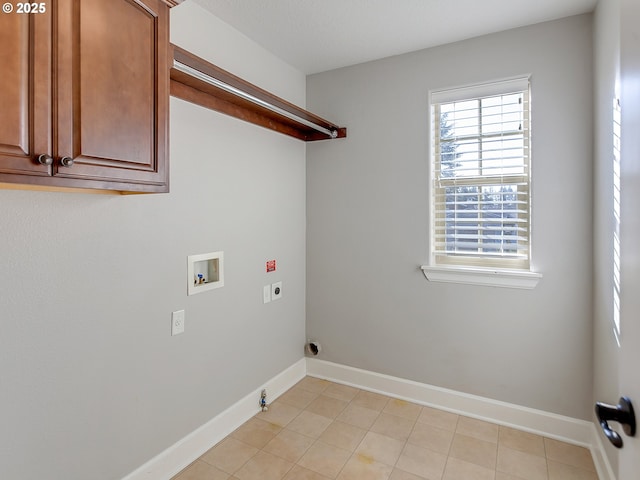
[
  {"x": 113, "y": 90},
  {"x": 25, "y": 94},
  {"x": 108, "y": 95}
]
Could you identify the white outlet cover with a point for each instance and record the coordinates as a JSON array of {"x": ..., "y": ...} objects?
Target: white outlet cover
[
  {"x": 266, "y": 294},
  {"x": 177, "y": 322},
  {"x": 276, "y": 291}
]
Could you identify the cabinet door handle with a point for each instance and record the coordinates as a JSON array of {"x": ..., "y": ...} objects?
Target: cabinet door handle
[
  {"x": 45, "y": 159},
  {"x": 66, "y": 161}
]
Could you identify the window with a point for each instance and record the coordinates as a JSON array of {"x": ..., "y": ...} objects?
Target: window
[{"x": 481, "y": 211}]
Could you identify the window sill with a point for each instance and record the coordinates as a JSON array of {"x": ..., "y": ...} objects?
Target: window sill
[{"x": 482, "y": 276}]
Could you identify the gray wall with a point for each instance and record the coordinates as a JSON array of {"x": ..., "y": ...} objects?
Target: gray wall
[
  {"x": 369, "y": 304},
  {"x": 92, "y": 385},
  {"x": 606, "y": 87}
]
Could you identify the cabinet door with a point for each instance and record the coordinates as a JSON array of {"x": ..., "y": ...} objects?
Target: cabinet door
[
  {"x": 112, "y": 93},
  {"x": 25, "y": 94}
]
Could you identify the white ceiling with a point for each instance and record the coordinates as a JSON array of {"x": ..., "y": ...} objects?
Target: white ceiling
[{"x": 320, "y": 35}]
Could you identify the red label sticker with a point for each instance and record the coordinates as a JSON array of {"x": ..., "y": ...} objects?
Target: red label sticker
[{"x": 271, "y": 266}]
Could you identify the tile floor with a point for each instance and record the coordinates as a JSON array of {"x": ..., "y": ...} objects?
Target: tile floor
[{"x": 320, "y": 430}]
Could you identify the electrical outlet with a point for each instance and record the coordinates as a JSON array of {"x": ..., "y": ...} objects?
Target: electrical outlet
[
  {"x": 177, "y": 322},
  {"x": 266, "y": 294},
  {"x": 276, "y": 291}
]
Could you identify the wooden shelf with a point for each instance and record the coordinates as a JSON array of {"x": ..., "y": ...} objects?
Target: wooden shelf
[{"x": 198, "y": 91}]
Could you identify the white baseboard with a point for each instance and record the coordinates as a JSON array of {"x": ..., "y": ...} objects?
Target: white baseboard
[
  {"x": 603, "y": 466},
  {"x": 181, "y": 454},
  {"x": 551, "y": 425}
]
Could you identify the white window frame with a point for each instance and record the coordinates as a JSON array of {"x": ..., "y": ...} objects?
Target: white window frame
[{"x": 480, "y": 270}]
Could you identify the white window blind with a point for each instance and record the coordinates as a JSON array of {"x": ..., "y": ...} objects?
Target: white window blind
[{"x": 481, "y": 175}]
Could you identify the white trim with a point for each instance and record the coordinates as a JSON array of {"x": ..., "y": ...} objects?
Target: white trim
[
  {"x": 178, "y": 456},
  {"x": 600, "y": 459},
  {"x": 482, "y": 276},
  {"x": 480, "y": 90},
  {"x": 551, "y": 425}
]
